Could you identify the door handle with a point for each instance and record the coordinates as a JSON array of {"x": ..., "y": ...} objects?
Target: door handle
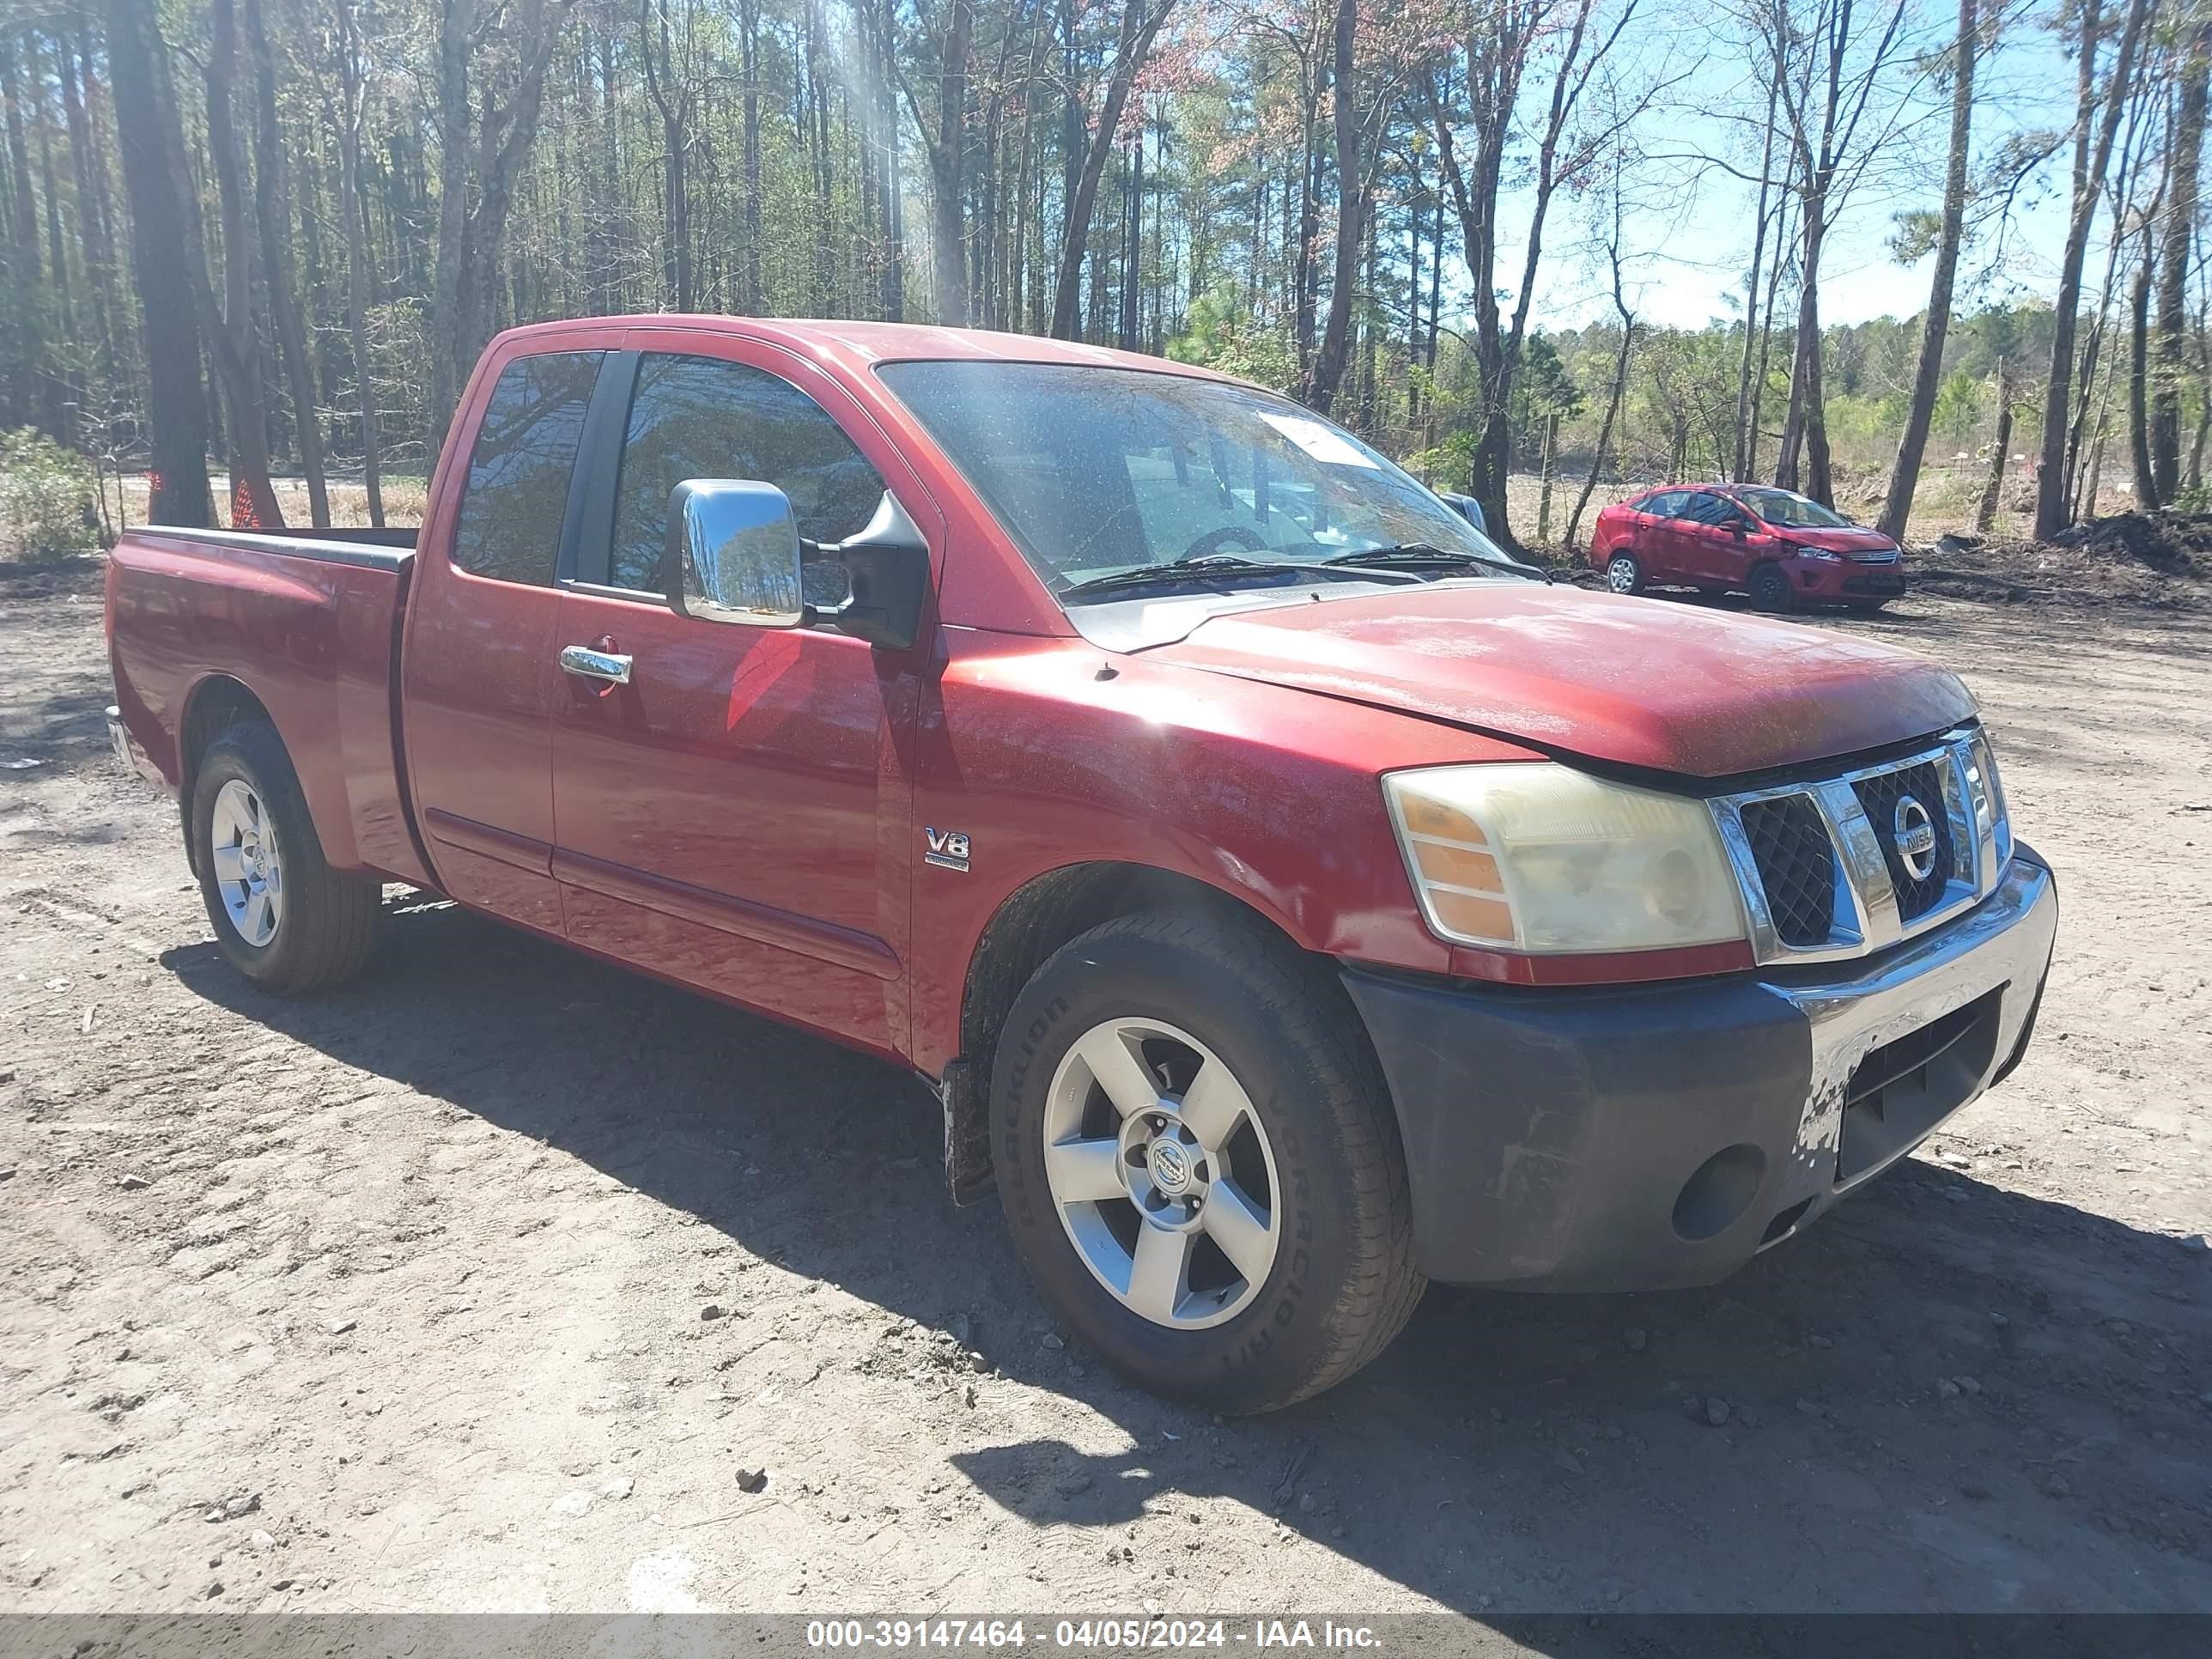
[{"x": 586, "y": 663}]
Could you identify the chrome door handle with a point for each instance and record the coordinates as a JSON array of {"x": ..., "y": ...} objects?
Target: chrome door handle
[{"x": 587, "y": 664}]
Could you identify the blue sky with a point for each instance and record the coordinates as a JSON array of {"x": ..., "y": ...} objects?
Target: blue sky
[{"x": 1690, "y": 227}]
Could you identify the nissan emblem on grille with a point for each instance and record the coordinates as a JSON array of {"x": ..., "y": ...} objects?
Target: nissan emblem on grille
[{"x": 1916, "y": 837}]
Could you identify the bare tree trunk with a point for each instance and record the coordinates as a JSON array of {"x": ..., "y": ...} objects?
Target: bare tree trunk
[
  {"x": 748, "y": 25},
  {"x": 1620, "y": 390},
  {"x": 452, "y": 302},
  {"x": 273, "y": 209},
  {"x": 1746, "y": 439},
  {"x": 1141, "y": 26},
  {"x": 1928, "y": 377},
  {"x": 2184, "y": 144},
  {"x": 1350, "y": 217},
  {"x": 2091, "y": 157},
  {"x": 149, "y": 136},
  {"x": 352, "y": 92},
  {"x": 2139, "y": 458},
  {"x": 237, "y": 344},
  {"x": 1985, "y": 516}
]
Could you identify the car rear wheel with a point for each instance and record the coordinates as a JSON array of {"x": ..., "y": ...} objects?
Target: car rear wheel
[
  {"x": 1770, "y": 588},
  {"x": 1623, "y": 575},
  {"x": 1200, "y": 1164},
  {"x": 281, "y": 915}
]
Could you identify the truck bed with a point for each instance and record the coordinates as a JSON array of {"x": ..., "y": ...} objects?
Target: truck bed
[{"x": 305, "y": 624}]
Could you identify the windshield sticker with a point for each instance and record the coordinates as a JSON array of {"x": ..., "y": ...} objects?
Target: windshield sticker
[{"x": 1317, "y": 441}]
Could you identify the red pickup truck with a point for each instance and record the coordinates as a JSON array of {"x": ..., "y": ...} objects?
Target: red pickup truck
[{"x": 1289, "y": 898}]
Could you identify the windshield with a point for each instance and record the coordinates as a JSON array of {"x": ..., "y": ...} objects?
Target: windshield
[
  {"x": 1787, "y": 510},
  {"x": 1097, "y": 471}
]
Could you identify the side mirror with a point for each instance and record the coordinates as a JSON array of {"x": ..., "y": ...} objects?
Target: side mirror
[
  {"x": 1741, "y": 528},
  {"x": 888, "y": 566},
  {"x": 732, "y": 554}
]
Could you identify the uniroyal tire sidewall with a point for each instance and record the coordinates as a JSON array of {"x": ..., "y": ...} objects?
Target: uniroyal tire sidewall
[
  {"x": 1260, "y": 1355},
  {"x": 226, "y": 761}
]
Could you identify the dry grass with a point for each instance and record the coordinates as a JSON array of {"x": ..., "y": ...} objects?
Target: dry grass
[{"x": 405, "y": 500}]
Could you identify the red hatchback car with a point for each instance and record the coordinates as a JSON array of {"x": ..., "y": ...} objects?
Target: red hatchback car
[{"x": 1776, "y": 545}]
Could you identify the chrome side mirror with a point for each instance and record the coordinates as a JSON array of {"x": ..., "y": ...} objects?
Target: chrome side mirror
[{"x": 732, "y": 554}]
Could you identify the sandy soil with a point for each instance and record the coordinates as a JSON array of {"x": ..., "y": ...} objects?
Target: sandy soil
[{"x": 400, "y": 1299}]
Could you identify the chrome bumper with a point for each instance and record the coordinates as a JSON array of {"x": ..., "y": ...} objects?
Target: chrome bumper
[{"x": 2002, "y": 946}]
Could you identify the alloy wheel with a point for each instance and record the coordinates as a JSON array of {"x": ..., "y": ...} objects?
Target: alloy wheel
[
  {"x": 1162, "y": 1174},
  {"x": 248, "y": 873}
]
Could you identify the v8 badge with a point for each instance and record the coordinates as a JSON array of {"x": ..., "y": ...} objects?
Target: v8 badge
[{"x": 948, "y": 849}]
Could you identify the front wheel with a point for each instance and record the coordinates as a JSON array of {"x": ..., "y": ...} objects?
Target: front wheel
[
  {"x": 1198, "y": 1159},
  {"x": 1770, "y": 589},
  {"x": 1623, "y": 575},
  {"x": 282, "y": 916}
]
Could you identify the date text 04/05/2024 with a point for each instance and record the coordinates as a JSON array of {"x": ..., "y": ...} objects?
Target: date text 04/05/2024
[{"x": 1090, "y": 1635}]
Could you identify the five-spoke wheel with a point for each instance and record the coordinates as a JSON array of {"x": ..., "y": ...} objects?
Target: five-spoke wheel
[
  {"x": 1161, "y": 1173},
  {"x": 248, "y": 873},
  {"x": 1198, "y": 1160}
]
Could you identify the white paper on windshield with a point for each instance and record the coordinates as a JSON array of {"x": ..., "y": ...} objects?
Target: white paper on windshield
[{"x": 1316, "y": 440}]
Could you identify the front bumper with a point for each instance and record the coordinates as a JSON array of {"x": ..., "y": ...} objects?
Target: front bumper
[
  {"x": 1650, "y": 1137},
  {"x": 1847, "y": 580}
]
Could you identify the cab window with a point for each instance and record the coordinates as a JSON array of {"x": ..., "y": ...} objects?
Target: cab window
[
  {"x": 705, "y": 418},
  {"x": 517, "y": 495}
]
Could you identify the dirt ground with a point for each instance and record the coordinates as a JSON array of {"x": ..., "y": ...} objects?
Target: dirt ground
[{"x": 399, "y": 1299}]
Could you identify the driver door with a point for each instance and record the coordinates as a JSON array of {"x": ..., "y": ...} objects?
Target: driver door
[{"x": 736, "y": 815}]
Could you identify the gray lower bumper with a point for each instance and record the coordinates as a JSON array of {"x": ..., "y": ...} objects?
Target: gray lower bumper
[{"x": 1642, "y": 1137}]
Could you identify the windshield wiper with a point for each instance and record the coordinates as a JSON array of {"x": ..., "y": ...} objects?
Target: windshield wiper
[
  {"x": 1198, "y": 569},
  {"x": 1424, "y": 556}
]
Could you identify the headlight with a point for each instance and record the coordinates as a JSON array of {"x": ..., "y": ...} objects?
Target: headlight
[
  {"x": 1821, "y": 553},
  {"x": 1536, "y": 856},
  {"x": 1985, "y": 794}
]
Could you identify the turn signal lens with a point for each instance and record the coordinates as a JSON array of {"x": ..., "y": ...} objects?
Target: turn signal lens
[{"x": 1538, "y": 857}]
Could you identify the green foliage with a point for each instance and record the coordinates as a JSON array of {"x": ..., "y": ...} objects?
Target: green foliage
[
  {"x": 1219, "y": 333},
  {"x": 1446, "y": 466},
  {"x": 46, "y": 498}
]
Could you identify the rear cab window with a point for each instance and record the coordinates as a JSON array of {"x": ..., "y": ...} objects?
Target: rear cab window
[{"x": 516, "y": 499}]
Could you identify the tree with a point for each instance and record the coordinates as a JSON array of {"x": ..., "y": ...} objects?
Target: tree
[
  {"x": 1828, "y": 82},
  {"x": 2099, "y": 105},
  {"x": 1904, "y": 474},
  {"x": 149, "y": 133},
  {"x": 2184, "y": 144},
  {"x": 1141, "y": 22},
  {"x": 1501, "y": 39},
  {"x": 491, "y": 85}
]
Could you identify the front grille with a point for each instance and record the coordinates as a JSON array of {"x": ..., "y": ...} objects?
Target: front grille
[
  {"x": 1797, "y": 865},
  {"x": 1879, "y": 796}
]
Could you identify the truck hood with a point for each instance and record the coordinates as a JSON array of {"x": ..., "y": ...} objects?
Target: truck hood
[{"x": 1643, "y": 682}]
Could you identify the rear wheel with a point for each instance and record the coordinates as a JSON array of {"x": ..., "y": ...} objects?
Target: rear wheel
[
  {"x": 1770, "y": 588},
  {"x": 1623, "y": 575},
  {"x": 281, "y": 915},
  {"x": 1199, "y": 1162}
]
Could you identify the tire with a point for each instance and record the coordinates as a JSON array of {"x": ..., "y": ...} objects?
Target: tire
[
  {"x": 1314, "y": 1162},
  {"x": 1770, "y": 589},
  {"x": 311, "y": 929},
  {"x": 1623, "y": 575}
]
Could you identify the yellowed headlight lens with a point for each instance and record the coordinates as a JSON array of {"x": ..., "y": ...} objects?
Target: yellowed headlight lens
[{"x": 1536, "y": 856}]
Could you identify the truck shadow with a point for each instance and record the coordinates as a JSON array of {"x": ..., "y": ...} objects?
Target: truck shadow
[{"x": 1946, "y": 1396}]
